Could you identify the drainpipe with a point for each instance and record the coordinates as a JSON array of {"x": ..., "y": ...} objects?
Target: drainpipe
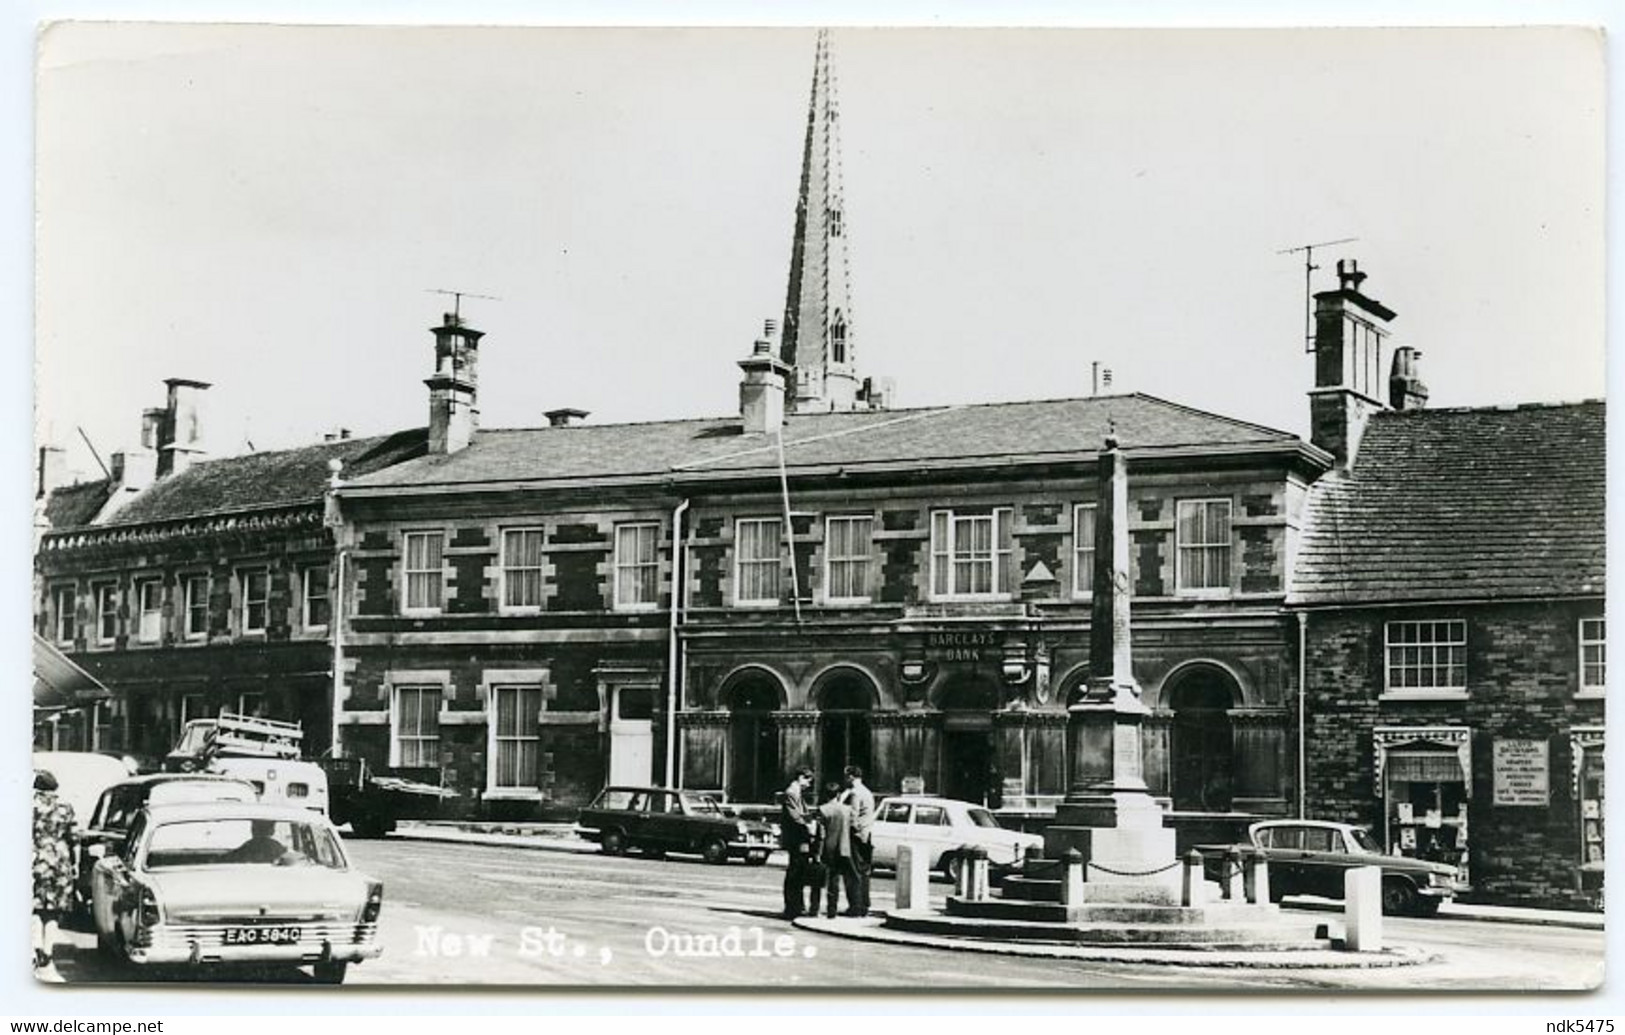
[
  {"x": 673, "y": 653},
  {"x": 335, "y": 619},
  {"x": 1303, "y": 715}
]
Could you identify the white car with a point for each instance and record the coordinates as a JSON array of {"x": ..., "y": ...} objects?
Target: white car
[
  {"x": 945, "y": 828},
  {"x": 235, "y": 882}
]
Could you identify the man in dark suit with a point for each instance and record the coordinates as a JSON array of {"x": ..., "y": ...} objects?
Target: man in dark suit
[
  {"x": 795, "y": 834},
  {"x": 862, "y": 802},
  {"x": 835, "y": 851}
]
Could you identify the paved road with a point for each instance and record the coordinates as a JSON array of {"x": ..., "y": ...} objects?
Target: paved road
[{"x": 476, "y": 914}]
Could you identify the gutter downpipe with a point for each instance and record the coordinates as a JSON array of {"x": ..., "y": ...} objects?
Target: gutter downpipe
[
  {"x": 674, "y": 676},
  {"x": 1303, "y": 719},
  {"x": 334, "y": 519}
]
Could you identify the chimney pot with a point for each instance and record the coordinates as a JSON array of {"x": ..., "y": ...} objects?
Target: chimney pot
[
  {"x": 1349, "y": 276},
  {"x": 566, "y": 417}
]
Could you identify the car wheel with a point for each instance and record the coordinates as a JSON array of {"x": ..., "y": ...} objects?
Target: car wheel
[
  {"x": 613, "y": 842},
  {"x": 368, "y": 827},
  {"x": 1398, "y": 897},
  {"x": 1426, "y": 907},
  {"x": 951, "y": 865},
  {"x": 331, "y": 972},
  {"x": 715, "y": 850}
]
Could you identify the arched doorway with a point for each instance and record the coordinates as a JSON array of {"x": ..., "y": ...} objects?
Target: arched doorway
[
  {"x": 969, "y": 759},
  {"x": 753, "y": 741},
  {"x": 844, "y": 704},
  {"x": 1203, "y": 748}
]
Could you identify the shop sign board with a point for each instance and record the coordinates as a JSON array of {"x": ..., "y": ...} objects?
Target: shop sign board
[
  {"x": 1522, "y": 772},
  {"x": 964, "y": 646}
]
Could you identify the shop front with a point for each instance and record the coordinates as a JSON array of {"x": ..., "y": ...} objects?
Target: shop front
[{"x": 1424, "y": 777}]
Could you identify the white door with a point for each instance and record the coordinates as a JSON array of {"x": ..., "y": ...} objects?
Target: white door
[{"x": 632, "y": 735}]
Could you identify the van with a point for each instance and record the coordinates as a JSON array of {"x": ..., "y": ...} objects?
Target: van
[{"x": 279, "y": 781}]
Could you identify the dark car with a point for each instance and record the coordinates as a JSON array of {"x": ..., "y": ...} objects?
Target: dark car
[
  {"x": 1310, "y": 857},
  {"x": 109, "y": 822},
  {"x": 656, "y": 820}
]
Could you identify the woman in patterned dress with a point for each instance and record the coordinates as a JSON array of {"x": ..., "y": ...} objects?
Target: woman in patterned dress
[{"x": 53, "y": 866}]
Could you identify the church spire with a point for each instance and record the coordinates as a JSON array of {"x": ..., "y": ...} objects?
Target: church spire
[{"x": 818, "y": 339}]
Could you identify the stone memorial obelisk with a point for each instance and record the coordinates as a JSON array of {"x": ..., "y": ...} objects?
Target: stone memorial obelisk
[{"x": 1108, "y": 814}]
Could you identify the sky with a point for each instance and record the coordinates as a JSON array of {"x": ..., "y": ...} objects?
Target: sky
[{"x": 269, "y": 208}]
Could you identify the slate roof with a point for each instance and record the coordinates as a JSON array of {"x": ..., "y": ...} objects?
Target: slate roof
[
  {"x": 70, "y": 506},
  {"x": 265, "y": 480},
  {"x": 1461, "y": 504},
  {"x": 933, "y": 436}
]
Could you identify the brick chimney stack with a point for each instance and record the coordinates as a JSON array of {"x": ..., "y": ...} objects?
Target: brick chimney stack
[
  {"x": 761, "y": 393},
  {"x": 1405, "y": 388},
  {"x": 453, "y": 402},
  {"x": 1349, "y": 331},
  {"x": 180, "y": 435},
  {"x": 50, "y": 471}
]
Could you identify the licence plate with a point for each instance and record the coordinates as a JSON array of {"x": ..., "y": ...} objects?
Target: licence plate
[{"x": 263, "y": 935}]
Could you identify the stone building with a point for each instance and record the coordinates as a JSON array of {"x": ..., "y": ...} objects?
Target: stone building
[
  {"x": 187, "y": 585},
  {"x": 906, "y": 590},
  {"x": 1450, "y": 591}
]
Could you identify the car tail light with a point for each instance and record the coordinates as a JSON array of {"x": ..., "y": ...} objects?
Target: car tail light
[
  {"x": 375, "y": 902},
  {"x": 148, "y": 913}
]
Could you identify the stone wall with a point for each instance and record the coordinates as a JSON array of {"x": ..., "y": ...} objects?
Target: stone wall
[{"x": 1522, "y": 678}]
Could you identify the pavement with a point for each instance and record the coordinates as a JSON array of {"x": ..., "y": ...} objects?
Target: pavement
[{"x": 561, "y": 837}]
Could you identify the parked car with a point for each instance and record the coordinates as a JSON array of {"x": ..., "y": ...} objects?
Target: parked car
[
  {"x": 235, "y": 882},
  {"x": 1310, "y": 857},
  {"x": 82, "y": 776},
  {"x": 106, "y": 826},
  {"x": 656, "y": 820},
  {"x": 945, "y": 827}
]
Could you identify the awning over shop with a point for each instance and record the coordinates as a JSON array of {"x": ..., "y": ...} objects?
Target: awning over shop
[{"x": 59, "y": 683}]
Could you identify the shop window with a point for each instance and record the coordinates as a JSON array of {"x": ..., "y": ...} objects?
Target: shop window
[
  {"x": 1083, "y": 549},
  {"x": 517, "y": 734},
  {"x": 521, "y": 569},
  {"x": 317, "y": 611},
  {"x": 847, "y": 541},
  {"x": 251, "y": 703},
  {"x": 62, "y": 609},
  {"x": 637, "y": 566},
  {"x": 1587, "y": 745},
  {"x": 758, "y": 564},
  {"x": 416, "y": 726},
  {"x": 1202, "y": 557},
  {"x": 1426, "y": 657},
  {"x": 197, "y": 606},
  {"x": 970, "y": 554},
  {"x": 1593, "y": 655},
  {"x": 1425, "y": 781},
  {"x": 106, "y": 613},
  {"x": 194, "y": 706},
  {"x": 425, "y": 571}
]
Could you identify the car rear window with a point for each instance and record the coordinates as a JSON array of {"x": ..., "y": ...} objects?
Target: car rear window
[{"x": 181, "y": 791}]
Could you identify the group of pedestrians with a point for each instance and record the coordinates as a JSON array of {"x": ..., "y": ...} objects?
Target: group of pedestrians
[{"x": 830, "y": 845}]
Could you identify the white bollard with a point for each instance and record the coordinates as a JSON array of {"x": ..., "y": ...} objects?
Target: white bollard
[
  {"x": 1072, "y": 878},
  {"x": 1193, "y": 884},
  {"x": 1362, "y": 909},
  {"x": 1257, "y": 876},
  {"x": 913, "y": 877}
]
